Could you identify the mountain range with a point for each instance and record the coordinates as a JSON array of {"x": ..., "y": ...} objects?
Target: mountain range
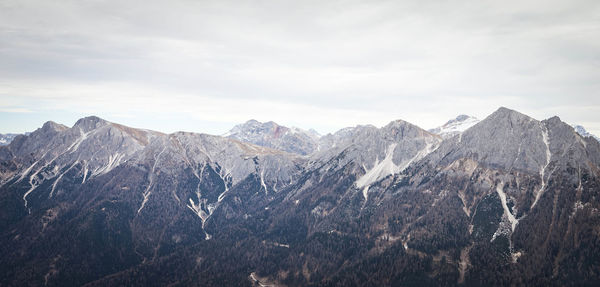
[
  {"x": 6, "y": 138},
  {"x": 507, "y": 200}
]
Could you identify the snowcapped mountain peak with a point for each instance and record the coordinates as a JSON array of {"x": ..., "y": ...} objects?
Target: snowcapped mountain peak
[
  {"x": 457, "y": 125},
  {"x": 584, "y": 133}
]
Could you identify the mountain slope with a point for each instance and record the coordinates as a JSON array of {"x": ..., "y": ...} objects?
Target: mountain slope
[
  {"x": 134, "y": 195},
  {"x": 471, "y": 212},
  {"x": 509, "y": 201},
  {"x": 500, "y": 199}
]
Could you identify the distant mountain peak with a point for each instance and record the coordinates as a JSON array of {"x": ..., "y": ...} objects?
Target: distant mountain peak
[
  {"x": 271, "y": 134},
  {"x": 458, "y": 125},
  {"x": 504, "y": 112},
  {"x": 53, "y": 126},
  {"x": 90, "y": 123},
  {"x": 584, "y": 133}
]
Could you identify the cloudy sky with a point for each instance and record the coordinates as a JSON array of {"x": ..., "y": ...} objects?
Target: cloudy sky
[{"x": 204, "y": 66}]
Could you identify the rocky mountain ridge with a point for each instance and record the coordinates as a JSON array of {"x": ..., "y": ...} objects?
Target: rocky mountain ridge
[{"x": 508, "y": 201}]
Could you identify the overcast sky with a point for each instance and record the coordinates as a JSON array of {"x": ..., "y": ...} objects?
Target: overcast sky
[{"x": 204, "y": 66}]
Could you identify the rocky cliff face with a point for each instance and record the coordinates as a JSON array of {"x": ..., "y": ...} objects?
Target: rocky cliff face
[{"x": 509, "y": 201}]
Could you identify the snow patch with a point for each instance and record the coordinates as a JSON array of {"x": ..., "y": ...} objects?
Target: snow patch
[
  {"x": 75, "y": 145},
  {"x": 262, "y": 181},
  {"x": 507, "y": 225},
  {"x": 113, "y": 161},
  {"x": 254, "y": 279},
  {"x": 59, "y": 178},
  {"x": 197, "y": 209},
  {"x": 26, "y": 172},
  {"x": 222, "y": 195},
  {"x": 380, "y": 169},
  {"x": 515, "y": 256},
  {"x": 511, "y": 218},
  {"x": 281, "y": 245},
  {"x": 34, "y": 184},
  {"x": 85, "y": 172},
  {"x": 421, "y": 154},
  {"x": 455, "y": 126},
  {"x": 147, "y": 192},
  {"x": 365, "y": 192},
  {"x": 543, "y": 168}
]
